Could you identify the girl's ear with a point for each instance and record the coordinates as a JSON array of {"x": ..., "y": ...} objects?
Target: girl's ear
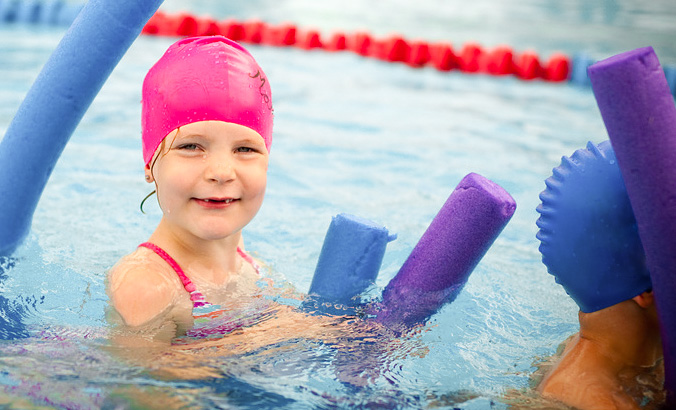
[
  {"x": 645, "y": 299},
  {"x": 149, "y": 175}
]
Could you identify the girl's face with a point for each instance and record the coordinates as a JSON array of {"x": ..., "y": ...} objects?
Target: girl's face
[{"x": 210, "y": 178}]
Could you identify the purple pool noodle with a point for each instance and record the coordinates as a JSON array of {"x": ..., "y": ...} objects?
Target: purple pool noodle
[
  {"x": 639, "y": 113},
  {"x": 451, "y": 247},
  {"x": 54, "y": 105}
]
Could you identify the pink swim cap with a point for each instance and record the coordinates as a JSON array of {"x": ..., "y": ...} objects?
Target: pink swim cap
[{"x": 201, "y": 79}]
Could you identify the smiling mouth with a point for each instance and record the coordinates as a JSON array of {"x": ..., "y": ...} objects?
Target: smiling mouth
[{"x": 215, "y": 202}]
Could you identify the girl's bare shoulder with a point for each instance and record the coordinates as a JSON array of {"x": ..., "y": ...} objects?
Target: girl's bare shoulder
[{"x": 141, "y": 287}]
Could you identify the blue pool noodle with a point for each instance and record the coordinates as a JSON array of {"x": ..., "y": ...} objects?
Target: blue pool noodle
[
  {"x": 440, "y": 264},
  {"x": 640, "y": 116},
  {"x": 55, "y": 104},
  {"x": 349, "y": 262}
]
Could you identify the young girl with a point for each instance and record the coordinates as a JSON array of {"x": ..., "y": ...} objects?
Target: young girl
[{"x": 206, "y": 130}]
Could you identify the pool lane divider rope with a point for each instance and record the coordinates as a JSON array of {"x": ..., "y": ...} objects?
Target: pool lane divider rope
[
  {"x": 471, "y": 58},
  {"x": 638, "y": 110},
  {"x": 56, "y": 102}
]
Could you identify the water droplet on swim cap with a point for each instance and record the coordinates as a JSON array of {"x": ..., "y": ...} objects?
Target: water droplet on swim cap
[{"x": 186, "y": 85}]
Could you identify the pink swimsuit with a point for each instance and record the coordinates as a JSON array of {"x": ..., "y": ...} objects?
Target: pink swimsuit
[{"x": 209, "y": 320}]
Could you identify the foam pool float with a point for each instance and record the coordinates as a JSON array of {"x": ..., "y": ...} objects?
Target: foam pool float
[
  {"x": 638, "y": 110},
  {"x": 55, "y": 104}
]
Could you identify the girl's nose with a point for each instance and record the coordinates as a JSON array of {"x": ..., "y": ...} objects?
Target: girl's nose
[{"x": 219, "y": 169}]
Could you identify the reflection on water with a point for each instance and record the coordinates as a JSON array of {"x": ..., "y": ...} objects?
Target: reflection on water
[
  {"x": 11, "y": 311},
  {"x": 79, "y": 368}
]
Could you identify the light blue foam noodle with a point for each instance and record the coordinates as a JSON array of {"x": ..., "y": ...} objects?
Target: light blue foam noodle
[
  {"x": 348, "y": 264},
  {"x": 56, "y": 102}
]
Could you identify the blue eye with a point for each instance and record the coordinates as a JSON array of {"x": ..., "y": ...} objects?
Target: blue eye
[{"x": 245, "y": 149}]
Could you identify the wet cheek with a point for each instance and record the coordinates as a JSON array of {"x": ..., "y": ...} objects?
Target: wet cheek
[
  {"x": 257, "y": 188},
  {"x": 263, "y": 184},
  {"x": 172, "y": 192}
]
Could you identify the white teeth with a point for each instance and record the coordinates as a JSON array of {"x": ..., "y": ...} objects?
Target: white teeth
[{"x": 226, "y": 201}]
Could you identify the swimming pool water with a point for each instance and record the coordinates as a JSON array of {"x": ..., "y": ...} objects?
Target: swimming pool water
[{"x": 382, "y": 141}]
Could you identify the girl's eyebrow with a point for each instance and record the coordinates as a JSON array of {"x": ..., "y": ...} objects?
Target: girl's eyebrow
[
  {"x": 249, "y": 140},
  {"x": 190, "y": 135}
]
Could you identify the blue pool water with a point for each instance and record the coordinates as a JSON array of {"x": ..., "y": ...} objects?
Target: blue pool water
[{"x": 382, "y": 141}]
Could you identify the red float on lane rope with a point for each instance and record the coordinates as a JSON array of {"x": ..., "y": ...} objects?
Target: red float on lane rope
[{"x": 472, "y": 58}]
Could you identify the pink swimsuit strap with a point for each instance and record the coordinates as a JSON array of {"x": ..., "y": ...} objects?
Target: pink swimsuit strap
[{"x": 196, "y": 296}]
